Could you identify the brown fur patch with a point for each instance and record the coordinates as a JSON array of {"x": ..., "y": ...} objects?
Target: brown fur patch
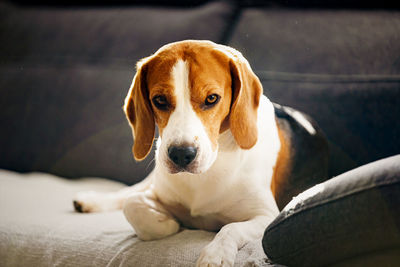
[
  {"x": 247, "y": 90},
  {"x": 140, "y": 115},
  {"x": 209, "y": 74},
  {"x": 281, "y": 169},
  {"x": 159, "y": 82}
]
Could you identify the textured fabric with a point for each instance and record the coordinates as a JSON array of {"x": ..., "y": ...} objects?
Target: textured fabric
[
  {"x": 38, "y": 227},
  {"x": 64, "y": 74},
  {"x": 350, "y": 215}
]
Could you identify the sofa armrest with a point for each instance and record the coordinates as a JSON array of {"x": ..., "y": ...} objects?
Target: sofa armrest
[{"x": 352, "y": 214}]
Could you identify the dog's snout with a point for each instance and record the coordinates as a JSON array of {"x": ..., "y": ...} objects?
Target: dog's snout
[{"x": 182, "y": 156}]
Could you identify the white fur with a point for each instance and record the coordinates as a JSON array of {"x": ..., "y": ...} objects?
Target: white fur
[
  {"x": 229, "y": 186},
  {"x": 184, "y": 126}
]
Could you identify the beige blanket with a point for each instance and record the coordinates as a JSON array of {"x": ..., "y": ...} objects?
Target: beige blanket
[{"x": 38, "y": 227}]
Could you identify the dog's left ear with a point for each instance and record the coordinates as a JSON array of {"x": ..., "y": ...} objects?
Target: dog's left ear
[
  {"x": 247, "y": 90},
  {"x": 139, "y": 113}
]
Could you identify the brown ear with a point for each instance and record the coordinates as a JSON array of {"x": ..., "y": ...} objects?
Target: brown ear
[
  {"x": 139, "y": 113},
  {"x": 247, "y": 90}
]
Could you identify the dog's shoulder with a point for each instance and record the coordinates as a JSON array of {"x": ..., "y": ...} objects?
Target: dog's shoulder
[{"x": 306, "y": 152}]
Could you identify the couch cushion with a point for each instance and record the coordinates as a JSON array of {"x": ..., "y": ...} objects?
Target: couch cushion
[
  {"x": 339, "y": 66},
  {"x": 38, "y": 227},
  {"x": 64, "y": 74},
  {"x": 351, "y": 215}
]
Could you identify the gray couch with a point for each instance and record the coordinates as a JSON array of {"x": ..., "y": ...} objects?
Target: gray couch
[{"x": 65, "y": 69}]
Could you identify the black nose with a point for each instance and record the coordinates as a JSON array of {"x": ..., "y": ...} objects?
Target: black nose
[{"x": 182, "y": 155}]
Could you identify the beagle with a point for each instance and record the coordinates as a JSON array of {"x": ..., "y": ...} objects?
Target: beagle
[{"x": 227, "y": 158}]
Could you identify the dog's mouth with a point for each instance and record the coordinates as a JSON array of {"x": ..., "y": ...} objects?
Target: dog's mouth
[{"x": 174, "y": 168}]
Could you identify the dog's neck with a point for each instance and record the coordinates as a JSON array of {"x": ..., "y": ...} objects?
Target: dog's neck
[{"x": 226, "y": 142}]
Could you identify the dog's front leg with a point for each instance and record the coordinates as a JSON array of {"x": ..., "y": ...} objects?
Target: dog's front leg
[
  {"x": 148, "y": 216},
  {"x": 225, "y": 245},
  {"x": 92, "y": 201}
]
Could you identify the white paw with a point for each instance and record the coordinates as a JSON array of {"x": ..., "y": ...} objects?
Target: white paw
[
  {"x": 150, "y": 222},
  {"x": 91, "y": 201},
  {"x": 217, "y": 254}
]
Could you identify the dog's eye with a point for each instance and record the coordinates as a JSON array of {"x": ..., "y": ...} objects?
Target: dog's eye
[
  {"x": 211, "y": 100},
  {"x": 161, "y": 102}
]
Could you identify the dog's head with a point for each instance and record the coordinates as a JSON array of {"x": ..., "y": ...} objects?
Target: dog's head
[{"x": 193, "y": 91}]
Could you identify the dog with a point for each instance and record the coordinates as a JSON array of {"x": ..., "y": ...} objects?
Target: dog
[{"x": 227, "y": 159}]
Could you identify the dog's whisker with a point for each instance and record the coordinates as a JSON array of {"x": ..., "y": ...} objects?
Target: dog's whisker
[{"x": 150, "y": 163}]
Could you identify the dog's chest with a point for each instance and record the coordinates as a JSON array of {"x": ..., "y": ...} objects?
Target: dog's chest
[
  {"x": 201, "y": 206},
  {"x": 199, "y": 202},
  {"x": 209, "y": 222},
  {"x": 210, "y": 204}
]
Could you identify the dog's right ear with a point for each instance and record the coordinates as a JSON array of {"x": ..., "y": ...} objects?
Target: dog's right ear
[{"x": 139, "y": 113}]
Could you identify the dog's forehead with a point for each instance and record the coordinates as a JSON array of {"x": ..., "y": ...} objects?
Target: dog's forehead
[{"x": 206, "y": 63}]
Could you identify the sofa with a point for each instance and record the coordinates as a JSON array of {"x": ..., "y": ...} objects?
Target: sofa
[{"x": 66, "y": 67}]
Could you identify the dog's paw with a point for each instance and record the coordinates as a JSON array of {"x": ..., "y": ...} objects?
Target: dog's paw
[
  {"x": 217, "y": 254},
  {"x": 90, "y": 201},
  {"x": 148, "y": 219}
]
